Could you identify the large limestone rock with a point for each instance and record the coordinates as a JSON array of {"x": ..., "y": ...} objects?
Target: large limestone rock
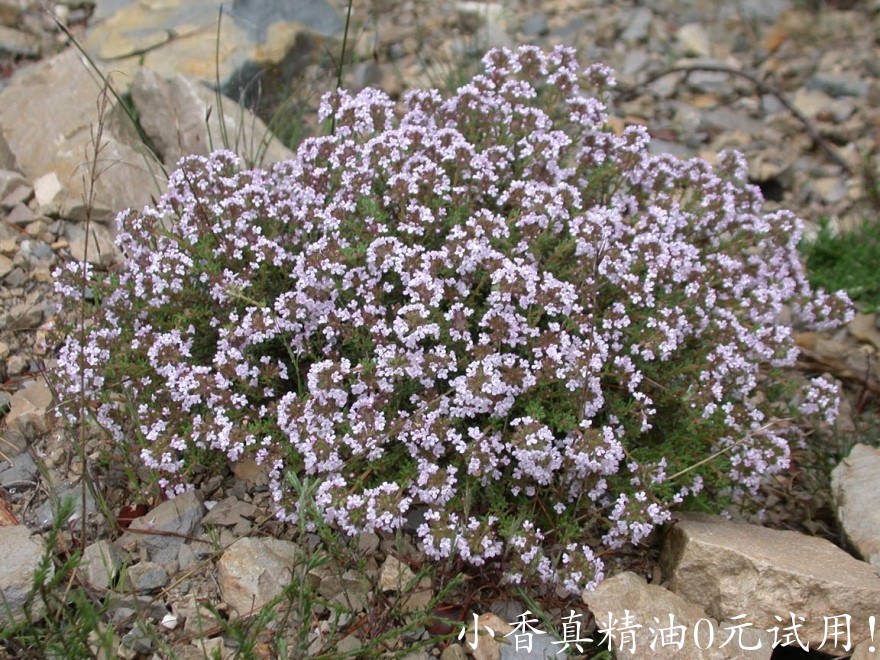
[
  {"x": 48, "y": 120},
  {"x": 253, "y": 571},
  {"x": 180, "y": 116},
  {"x": 733, "y": 569},
  {"x": 181, "y": 37},
  {"x": 655, "y": 610},
  {"x": 854, "y": 486}
]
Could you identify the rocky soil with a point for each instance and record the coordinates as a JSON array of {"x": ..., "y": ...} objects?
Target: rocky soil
[{"x": 795, "y": 85}]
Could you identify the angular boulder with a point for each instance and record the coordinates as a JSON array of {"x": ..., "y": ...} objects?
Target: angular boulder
[
  {"x": 854, "y": 488},
  {"x": 55, "y": 136},
  {"x": 777, "y": 579},
  {"x": 253, "y": 571},
  {"x": 664, "y": 625},
  {"x": 180, "y": 116}
]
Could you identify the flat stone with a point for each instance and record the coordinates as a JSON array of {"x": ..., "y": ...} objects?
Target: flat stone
[
  {"x": 165, "y": 528},
  {"x": 693, "y": 40},
  {"x": 100, "y": 563},
  {"x": 49, "y": 194},
  {"x": 839, "y": 83},
  {"x": 29, "y": 409},
  {"x": 101, "y": 250},
  {"x": 145, "y": 576},
  {"x": 9, "y": 180},
  {"x": 19, "y": 472},
  {"x": 854, "y": 487},
  {"x": 55, "y": 135},
  {"x": 20, "y": 557},
  {"x": 253, "y": 571},
  {"x": 731, "y": 569},
  {"x": 230, "y": 512},
  {"x": 17, "y": 196},
  {"x": 45, "y": 514},
  {"x": 652, "y": 608},
  {"x": 811, "y": 102}
]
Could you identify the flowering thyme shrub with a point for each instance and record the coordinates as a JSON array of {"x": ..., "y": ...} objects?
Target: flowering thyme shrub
[{"x": 488, "y": 312}]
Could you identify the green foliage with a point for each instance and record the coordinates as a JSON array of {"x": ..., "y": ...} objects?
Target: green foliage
[{"x": 848, "y": 261}]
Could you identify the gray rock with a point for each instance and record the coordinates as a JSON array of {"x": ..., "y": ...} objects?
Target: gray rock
[
  {"x": 101, "y": 250},
  {"x": 730, "y": 569},
  {"x": 763, "y": 10},
  {"x": 19, "y": 472},
  {"x": 6, "y": 266},
  {"x": 45, "y": 514},
  {"x": 137, "y": 640},
  {"x": 854, "y": 487},
  {"x": 253, "y": 571},
  {"x": 173, "y": 112},
  {"x": 839, "y": 83},
  {"x": 638, "y": 22},
  {"x": 230, "y": 512},
  {"x": 9, "y": 180},
  {"x": 14, "y": 441},
  {"x": 257, "y": 36},
  {"x": 534, "y": 25},
  {"x": 165, "y": 528},
  {"x": 20, "y": 214},
  {"x": 145, "y": 576},
  {"x": 18, "y": 196},
  {"x": 100, "y": 563},
  {"x": 20, "y": 557}
]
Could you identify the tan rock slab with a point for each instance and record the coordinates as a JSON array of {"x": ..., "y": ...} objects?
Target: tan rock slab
[
  {"x": 28, "y": 411},
  {"x": 661, "y": 624},
  {"x": 770, "y": 576},
  {"x": 395, "y": 575},
  {"x": 253, "y": 571},
  {"x": 483, "y": 636},
  {"x": 854, "y": 486},
  {"x": 56, "y": 135}
]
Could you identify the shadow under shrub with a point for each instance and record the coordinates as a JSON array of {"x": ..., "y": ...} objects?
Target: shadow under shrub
[{"x": 487, "y": 310}]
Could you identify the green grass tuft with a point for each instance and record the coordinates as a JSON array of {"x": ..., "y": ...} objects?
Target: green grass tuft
[{"x": 849, "y": 261}]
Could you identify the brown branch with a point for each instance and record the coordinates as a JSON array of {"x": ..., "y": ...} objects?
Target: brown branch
[{"x": 763, "y": 87}]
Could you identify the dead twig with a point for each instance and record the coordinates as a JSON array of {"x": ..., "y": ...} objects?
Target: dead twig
[{"x": 763, "y": 87}]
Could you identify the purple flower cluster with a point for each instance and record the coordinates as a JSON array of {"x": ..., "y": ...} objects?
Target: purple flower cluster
[{"x": 488, "y": 312}]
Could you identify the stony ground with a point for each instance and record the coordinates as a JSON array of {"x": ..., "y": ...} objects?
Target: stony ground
[{"x": 795, "y": 85}]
